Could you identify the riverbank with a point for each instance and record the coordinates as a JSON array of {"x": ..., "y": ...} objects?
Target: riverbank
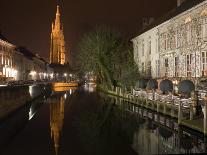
[{"x": 184, "y": 116}]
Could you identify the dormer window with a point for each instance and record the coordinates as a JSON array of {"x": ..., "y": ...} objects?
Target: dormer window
[{"x": 188, "y": 20}]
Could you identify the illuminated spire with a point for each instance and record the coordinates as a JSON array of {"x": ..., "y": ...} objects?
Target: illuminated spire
[
  {"x": 57, "y": 19},
  {"x": 57, "y": 49}
]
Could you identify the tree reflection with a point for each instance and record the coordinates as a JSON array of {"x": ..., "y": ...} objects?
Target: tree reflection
[{"x": 106, "y": 129}]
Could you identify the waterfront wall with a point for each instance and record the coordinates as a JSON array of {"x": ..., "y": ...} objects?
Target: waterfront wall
[
  {"x": 12, "y": 98},
  {"x": 183, "y": 115}
]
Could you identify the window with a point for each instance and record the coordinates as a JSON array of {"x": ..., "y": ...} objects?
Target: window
[
  {"x": 165, "y": 42},
  {"x": 143, "y": 67},
  {"x": 178, "y": 38},
  {"x": 2, "y": 59},
  {"x": 166, "y": 67},
  {"x": 176, "y": 67},
  {"x": 189, "y": 64},
  {"x": 166, "y": 62},
  {"x": 204, "y": 28},
  {"x": 173, "y": 41},
  {"x": 188, "y": 33},
  {"x": 149, "y": 68},
  {"x": 142, "y": 49},
  {"x": 157, "y": 68},
  {"x": 150, "y": 48},
  {"x": 204, "y": 63}
]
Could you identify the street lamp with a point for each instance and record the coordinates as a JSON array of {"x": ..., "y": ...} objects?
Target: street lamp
[{"x": 175, "y": 83}]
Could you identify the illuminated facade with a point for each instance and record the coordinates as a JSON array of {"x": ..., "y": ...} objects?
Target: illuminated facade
[
  {"x": 7, "y": 70},
  {"x": 57, "y": 49},
  {"x": 176, "y": 47},
  {"x": 57, "y": 105}
]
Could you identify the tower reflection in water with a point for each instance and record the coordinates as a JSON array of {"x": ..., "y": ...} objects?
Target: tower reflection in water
[{"x": 57, "y": 108}]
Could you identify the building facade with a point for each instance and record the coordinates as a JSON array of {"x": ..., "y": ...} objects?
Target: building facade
[
  {"x": 178, "y": 44},
  {"x": 7, "y": 70},
  {"x": 57, "y": 50},
  {"x": 18, "y": 63}
]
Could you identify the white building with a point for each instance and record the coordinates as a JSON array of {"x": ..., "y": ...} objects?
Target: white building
[
  {"x": 178, "y": 43},
  {"x": 146, "y": 52}
]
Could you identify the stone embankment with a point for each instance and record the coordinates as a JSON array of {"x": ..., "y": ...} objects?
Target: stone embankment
[
  {"x": 12, "y": 98},
  {"x": 184, "y": 116}
]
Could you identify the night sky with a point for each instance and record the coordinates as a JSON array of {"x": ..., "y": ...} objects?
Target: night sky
[{"x": 28, "y": 22}]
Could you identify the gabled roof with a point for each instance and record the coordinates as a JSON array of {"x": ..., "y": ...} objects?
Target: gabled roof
[
  {"x": 188, "y": 4},
  {"x": 3, "y": 38},
  {"x": 27, "y": 53}
]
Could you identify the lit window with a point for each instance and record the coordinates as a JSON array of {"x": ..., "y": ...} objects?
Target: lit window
[
  {"x": 204, "y": 63},
  {"x": 176, "y": 67},
  {"x": 189, "y": 64}
]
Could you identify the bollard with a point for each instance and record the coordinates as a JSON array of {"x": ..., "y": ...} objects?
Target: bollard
[
  {"x": 205, "y": 117},
  {"x": 180, "y": 114},
  {"x": 116, "y": 91},
  {"x": 172, "y": 111},
  {"x": 158, "y": 106},
  {"x": 164, "y": 108},
  {"x": 191, "y": 112}
]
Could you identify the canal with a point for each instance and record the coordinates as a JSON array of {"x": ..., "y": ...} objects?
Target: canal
[{"x": 86, "y": 122}]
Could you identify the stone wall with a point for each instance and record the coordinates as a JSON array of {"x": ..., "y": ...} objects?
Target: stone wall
[{"x": 12, "y": 98}]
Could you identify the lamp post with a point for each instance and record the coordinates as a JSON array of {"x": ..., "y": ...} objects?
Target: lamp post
[
  {"x": 65, "y": 75},
  {"x": 70, "y": 77},
  {"x": 175, "y": 83}
]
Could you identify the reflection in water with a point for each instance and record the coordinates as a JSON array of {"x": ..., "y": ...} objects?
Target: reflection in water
[
  {"x": 57, "y": 105},
  {"x": 90, "y": 87},
  {"x": 160, "y": 134},
  {"x": 96, "y": 124},
  {"x": 62, "y": 89}
]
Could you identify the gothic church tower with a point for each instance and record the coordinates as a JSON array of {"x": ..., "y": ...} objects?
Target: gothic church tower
[{"x": 57, "y": 49}]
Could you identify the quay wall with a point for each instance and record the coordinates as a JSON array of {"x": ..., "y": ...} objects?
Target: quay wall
[{"x": 14, "y": 97}]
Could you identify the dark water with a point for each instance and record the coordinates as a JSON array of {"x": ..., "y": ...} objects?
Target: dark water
[{"x": 83, "y": 122}]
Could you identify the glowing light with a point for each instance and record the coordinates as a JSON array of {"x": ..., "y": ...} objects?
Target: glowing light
[
  {"x": 31, "y": 114},
  {"x": 65, "y": 74},
  {"x": 52, "y": 75},
  {"x": 31, "y": 90},
  {"x": 65, "y": 95},
  {"x": 33, "y": 73}
]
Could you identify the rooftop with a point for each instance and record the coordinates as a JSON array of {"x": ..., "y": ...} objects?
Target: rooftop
[
  {"x": 3, "y": 37},
  {"x": 174, "y": 12}
]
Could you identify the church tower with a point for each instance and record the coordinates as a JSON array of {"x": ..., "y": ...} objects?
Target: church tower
[{"x": 57, "y": 49}]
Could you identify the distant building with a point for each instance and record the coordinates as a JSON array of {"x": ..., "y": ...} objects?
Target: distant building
[
  {"x": 32, "y": 66},
  {"x": 57, "y": 50}
]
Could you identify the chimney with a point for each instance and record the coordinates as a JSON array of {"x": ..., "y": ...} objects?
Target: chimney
[
  {"x": 179, "y": 2},
  {"x": 146, "y": 21}
]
